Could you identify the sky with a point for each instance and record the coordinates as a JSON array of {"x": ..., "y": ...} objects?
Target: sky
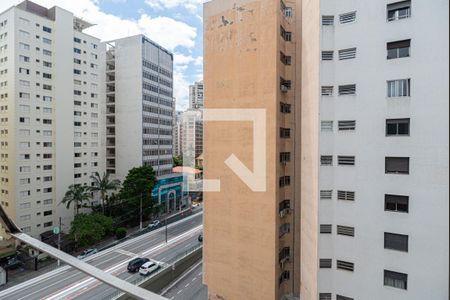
[{"x": 174, "y": 24}]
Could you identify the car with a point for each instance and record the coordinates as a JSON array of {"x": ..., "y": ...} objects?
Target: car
[
  {"x": 200, "y": 238},
  {"x": 148, "y": 268},
  {"x": 154, "y": 224},
  {"x": 13, "y": 263},
  {"x": 87, "y": 253},
  {"x": 136, "y": 264}
]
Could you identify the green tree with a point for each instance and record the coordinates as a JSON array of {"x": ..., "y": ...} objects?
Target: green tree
[
  {"x": 177, "y": 161},
  {"x": 87, "y": 230},
  {"x": 103, "y": 185},
  {"x": 76, "y": 196},
  {"x": 121, "y": 233},
  {"x": 138, "y": 183}
]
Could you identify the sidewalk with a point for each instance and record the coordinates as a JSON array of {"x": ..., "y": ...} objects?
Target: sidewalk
[{"x": 22, "y": 274}]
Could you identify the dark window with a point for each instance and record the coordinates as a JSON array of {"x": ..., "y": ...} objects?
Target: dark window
[
  {"x": 285, "y": 157},
  {"x": 399, "y": 10},
  {"x": 284, "y": 276},
  {"x": 395, "y": 241},
  {"x": 77, "y": 40},
  {"x": 398, "y": 49},
  {"x": 48, "y": 213},
  {"x": 285, "y": 181},
  {"x": 285, "y": 108},
  {"x": 396, "y": 203},
  {"x": 47, "y": 29},
  {"x": 326, "y": 228},
  {"x": 397, "y": 165},
  {"x": 76, "y": 50},
  {"x": 325, "y": 263},
  {"x": 397, "y": 126},
  {"x": 285, "y": 133},
  {"x": 285, "y": 85},
  {"x": 284, "y": 205},
  {"x": 284, "y": 254},
  {"x": 285, "y": 59},
  {"x": 286, "y": 35},
  {"x": 395, "y": 279}
]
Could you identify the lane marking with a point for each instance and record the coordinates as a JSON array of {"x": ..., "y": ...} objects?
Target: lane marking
[{"x": 126, "y": 253}]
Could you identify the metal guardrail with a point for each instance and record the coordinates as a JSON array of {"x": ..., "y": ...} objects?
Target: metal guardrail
[{"x": 170, "y": 264}]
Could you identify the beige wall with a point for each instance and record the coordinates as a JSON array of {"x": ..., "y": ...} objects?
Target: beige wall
[
  {"x": 309, "y": 110},
  {"x": 241, "y": 227}
]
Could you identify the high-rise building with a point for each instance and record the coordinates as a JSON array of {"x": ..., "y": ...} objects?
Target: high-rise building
[
  {"x": 191, "y": 136},
  {"x": 177, "y": 135},
  {"x": 252, "y": 239},
  {"x": 196, "y": 95},
  {"x": 139, "y": 106},
  {"x": 50, "y": 105},
  {"x": 357, "y": 147}
]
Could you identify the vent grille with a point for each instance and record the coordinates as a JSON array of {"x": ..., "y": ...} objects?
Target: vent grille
[
  {"x": 347, "y": 54},
  {"x": 345, "y": 265},
  {"x": 346, "y": 196},
  {"x": 327, "y": 20},
  {"x": 339, "y": 297},
  {"x": 327, "y": 91},
  {"x": 327, "y": 55},
  {"x": 346, "y": 160},
  {"x": 326, "y": 160},
  {"x": 326, "y": 228},
  {"x": 326, "y": 194},
  {"x": 348, "y": 17},
  {"x": 345, "y": 230},
  {"x": 325, "y": 263},
  {"x": 325, "y": 296},
  {"x": 349, "y": 89},
  {"x": 326, "y": 125},
  {"x": 347, "y": 125}
]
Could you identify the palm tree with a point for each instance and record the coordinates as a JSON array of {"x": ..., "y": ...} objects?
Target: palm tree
[
  {"x": 103, "y": 185},
  {"x": 76, "y": 195}
]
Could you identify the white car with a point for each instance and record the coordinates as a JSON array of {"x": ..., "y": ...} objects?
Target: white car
[
  {"x": 154, "y": 224},
  {"x": 87, "y": 253},
  {"x": 148, "y": 268}
]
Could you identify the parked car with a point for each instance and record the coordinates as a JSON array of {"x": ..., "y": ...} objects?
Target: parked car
[
  {"x": 148, "y": 268},
  {"x": 87, "y": 253},
  {"x": 13, "y": 263},
  {"x": 154, "y": 224},
  {"x": 136, "y": 264},
  {"x": 200, "y": 238}
]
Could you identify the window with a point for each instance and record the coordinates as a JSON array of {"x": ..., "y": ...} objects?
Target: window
[
  {"x": 345, "y": 230},
  {"x": 286, "y": 60},
  {"x": 47, "y": 64},
  {"x": 48, "y": 213},
  {"x": 285, "y": 85},
  {"x": 48, "y": 224},
  {"x": 25, "y": 205},
  {"x": 284, "y": 254},
  {"x": 325, "y": 296},
  {"x": 347, "y": 54},
  {"x": 284, "y": 207},
  {"x": 286, "y": 35},
  {"x": 77, "y": 61},
  {"x": 347, "y": 125},
  {"x": 47, "y": 76},
  {"x": 285, "y": 157},
  {"x": 326, "y": 194},
  {"x": 327, "y": 20},
  {"x": 47, "y": 52},
  {"x": 24, "y": 34},
  {"x": 347, "y": 17},
  {"x": 346, "y": 160},
  {"x": 327, "y": 90},
  {"x": 23, "y": 58},
  {"x": 24, "y": 71},
  {"x": 399, "y": 10},
  {"x": 339, "y": 297},
  {"x": 345, "y": 265},
  {"x": 47, "y": 41},
  {"x": 326, "y": 160},
  {"x": 77, "y": 40},
  {"x": 285, "y": 229},
  {"x": 47, "y": 29},
  {"x": 76, "y": 50},
  {"x": 398, "y": 49},
  {"x": 397, "y": 127},
  {"x": 346, "y": 196},
  {"x": 25, "y": 218},
  {"x": 285, "y": 181},
  {"x": 48, "y": 202},
  {"x": 23, "y": 46},
  {"x": 396, "y": 280},
  {"x": 325, "y": 263},
  {"x": 326, "y": 126},
  {"x": 47, "y": 87},
  {"x": 284, "y": 277},
  {"x": 285, "y": 133},
  {"x": 78, "y": 72},
  {"x": 327, "y": 55},
  {"x": 396, "y": 203},
  {"x": 285, "y": 108},
  {"x": 399, "y": 88},
  {"x": 397, "y": 165},
  {"x": 326, "y": 228},
  {"x": 395, "y": 241},
  {"x": 349, "y": 89}
]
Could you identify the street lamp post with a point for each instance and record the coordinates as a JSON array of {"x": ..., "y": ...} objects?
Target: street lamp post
[{"x": 140, "y": 213}]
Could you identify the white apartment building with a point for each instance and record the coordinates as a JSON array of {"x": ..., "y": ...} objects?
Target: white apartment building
[
  {"x": 196, "y": 95},
  {"x": 191, "y": 136},
  {"x": 50, "y": 125},
  {"x": 177, "y": 134},
  {"x": 139, "y": 106},
  {"x": 384, "y": 142}
]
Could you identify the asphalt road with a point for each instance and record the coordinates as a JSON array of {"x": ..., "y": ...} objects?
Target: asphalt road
[
  {"x": 68, "y": 283},
  {"x": 189, "y": 287}
]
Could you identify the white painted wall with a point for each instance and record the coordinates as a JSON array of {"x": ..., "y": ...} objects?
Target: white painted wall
[{"x": 427, "y": 263}]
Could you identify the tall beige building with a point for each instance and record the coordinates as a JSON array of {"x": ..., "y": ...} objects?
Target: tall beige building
[
  {"x": 252, "y": 248},
  {"x": 357, "y": 144}
]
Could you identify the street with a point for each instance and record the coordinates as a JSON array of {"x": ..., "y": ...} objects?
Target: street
[
  {"x": 189, "y": 287},
  {"x": 67, "y": 283}
]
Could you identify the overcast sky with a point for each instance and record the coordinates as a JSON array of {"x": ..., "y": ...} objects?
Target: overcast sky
[{"x": 175, "y": 24}]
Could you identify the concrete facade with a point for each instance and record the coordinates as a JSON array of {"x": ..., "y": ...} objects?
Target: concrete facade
[
  {"x": 50, "y": 122},
  {"x": 196, "y": 95}
]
